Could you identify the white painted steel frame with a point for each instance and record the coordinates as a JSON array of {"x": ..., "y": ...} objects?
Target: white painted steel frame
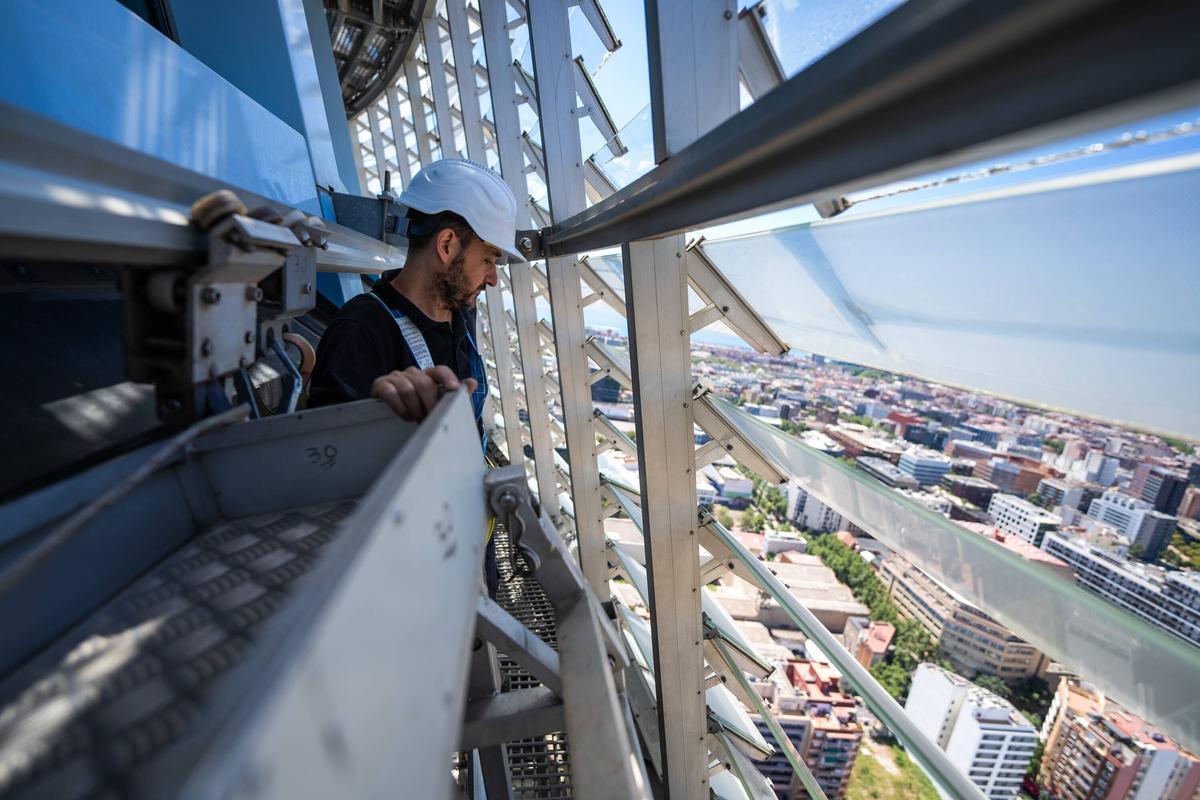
[
  {"x": 468, "y": 98},
  {"x": 416, "y": 103},
  {"x": 692, "y": 50},
  {"x": 464, "y": 75},
  {"x": 436, "y": 65},
  {"x": 554, "y": 69},
  {"x": 498, "y": 52},
  {"x": 399, "y": 138}
]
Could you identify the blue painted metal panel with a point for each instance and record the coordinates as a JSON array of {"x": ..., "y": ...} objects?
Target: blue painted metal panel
[
  {"x": 331, "y": 93},
  {"x": 339, "y": 287},
  {"x": 265, "y": 50},
  {"x": 95, "y": 65}
]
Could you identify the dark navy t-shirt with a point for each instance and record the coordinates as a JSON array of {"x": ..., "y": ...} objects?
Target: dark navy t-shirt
[{"x": 364, "y": 342}]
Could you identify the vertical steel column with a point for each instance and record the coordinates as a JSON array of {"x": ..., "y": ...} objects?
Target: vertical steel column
[
  {"x": 464, "y": 77},
  {"x": 504, "y": 374},
  {"x": 554, "y": 72},
  {"x": 356, "y": 149},
  {"x": 535, "y": 387},
  {"x": 437, "y": 80},
  {"x": 468, "y": 101},
  {"x": 692, "y": 50},
  {"x": 498, "y": 51},
  {"x": 416, "y": 100},
  {"x": 398, "y": 137},
  {"x": 377, "y": 144}
]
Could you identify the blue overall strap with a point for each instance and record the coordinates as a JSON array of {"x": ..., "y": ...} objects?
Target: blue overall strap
[
  {"x": 420, "y": 353},
  {"x": 412, "y": 336},
  {"x": 479, "y": 396}
]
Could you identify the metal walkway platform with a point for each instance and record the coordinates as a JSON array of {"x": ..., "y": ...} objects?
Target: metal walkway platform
[
  {"x": 540, "y": 767},
  {"x": 99, "y": 712}
]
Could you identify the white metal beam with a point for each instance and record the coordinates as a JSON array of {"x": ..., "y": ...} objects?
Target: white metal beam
[
  {"x": 464, "y": 76},
  {"x": 416, "y": 100},
  {"x": 381, "y": 164},
  {"x": 595, "y": 15},
  {"x": 550, "y": 39},
  {"x": 692, "y": 49},
  {"x": 437, "y": 78},
  {"x": 398, "y": 137},
  {"x": 498, "y": 52},
  {"x": 757, "y": 61}
]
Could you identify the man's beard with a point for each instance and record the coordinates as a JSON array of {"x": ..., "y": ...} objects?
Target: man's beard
[{"x": 451, "y": 287}]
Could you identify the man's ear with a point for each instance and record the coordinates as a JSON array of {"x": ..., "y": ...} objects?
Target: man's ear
[{"x": 446, "y": 245}]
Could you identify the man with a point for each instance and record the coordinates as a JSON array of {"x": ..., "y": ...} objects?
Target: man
[{"x": 412, "y": 337}]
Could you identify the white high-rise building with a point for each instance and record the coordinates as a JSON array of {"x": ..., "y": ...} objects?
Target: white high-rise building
[
  {"x": 820, "y": 517},
  {"x": 981, "y": 733},
  {"x": 1100, "y": 468},
  {"x": 925, "y": 465},
  {"x": 1018, "y": 516},
  {"x": 1150, "y": 530},
  {"x": 808, "y": 512}
]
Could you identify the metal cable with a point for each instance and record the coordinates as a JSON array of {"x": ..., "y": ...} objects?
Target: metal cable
[{"x": 76, "y": 522}]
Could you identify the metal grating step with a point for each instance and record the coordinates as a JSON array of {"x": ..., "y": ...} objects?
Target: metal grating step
[
  {"x": 540, "y": 767},
  {"x": 90, "y": 716}
]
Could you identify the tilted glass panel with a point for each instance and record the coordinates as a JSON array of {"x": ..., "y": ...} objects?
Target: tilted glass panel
[
  {"x": 722, "y": 704},
  {"x": 803, "y": 33},
  {"x": 637, "y": 137},
  {"x": 755, "y": 783},
  {"x": 1074, "y": 292},
  {"x": 1144, "y": 668}
]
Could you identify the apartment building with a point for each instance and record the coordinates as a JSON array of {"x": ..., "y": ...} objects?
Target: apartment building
[
  {"x": 1009, "y": 476},
  {"x": 975, "y": 642},
  {"x": 836, "y": 732},
  {"x": 1097, "y": 749},
  {"x": 924, "y": 465},
  {"x": 1019, "y": 517},
  {"x": 888, "y": 473},
  {"x": 868, "y": 640},
  {"x": 968, "y": 487},
  {"x": 787, "y": 704},
  {"x": 1170, "y": 600},
  {"x": 1145, "y": 527},
  {"x": 981, "y": 733}
]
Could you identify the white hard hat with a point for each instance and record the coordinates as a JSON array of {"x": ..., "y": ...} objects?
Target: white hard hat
[{"x": 472, "y": 191}]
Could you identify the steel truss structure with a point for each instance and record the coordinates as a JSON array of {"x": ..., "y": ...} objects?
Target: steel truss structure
[
  {"x": 569, "y": 675},
  {"x": 769, "y": 155}
]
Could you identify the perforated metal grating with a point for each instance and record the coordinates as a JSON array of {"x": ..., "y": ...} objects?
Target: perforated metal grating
[
  {"x": 136, "y": 677},
  {"x": 540, "y": 767}
]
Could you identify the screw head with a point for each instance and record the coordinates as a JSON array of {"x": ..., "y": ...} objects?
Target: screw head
[
  {"x": 248, "y": 338},
  {"x": 728, "y": 14},
  {"x": 306, "y": 288},
  {"x": 254, "y": 294},
  {"x": 526, "y": 244},
  {"x": 210, "y": 295},
  {"x": 206, "y": 347},
  {"x": 170, "y": 406}
]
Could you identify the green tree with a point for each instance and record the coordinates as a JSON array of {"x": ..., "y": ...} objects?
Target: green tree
[
  {"x": 1035, "y": 763},
  {"x": 912, "y": 644},
  {"x": 994, "y": 685},
  {"x": 723, "y": 516}
]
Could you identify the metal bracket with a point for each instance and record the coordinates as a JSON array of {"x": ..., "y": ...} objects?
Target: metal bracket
[
  {"x": 529, "y": 242},
  {"x": 376, "y": 217}
]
